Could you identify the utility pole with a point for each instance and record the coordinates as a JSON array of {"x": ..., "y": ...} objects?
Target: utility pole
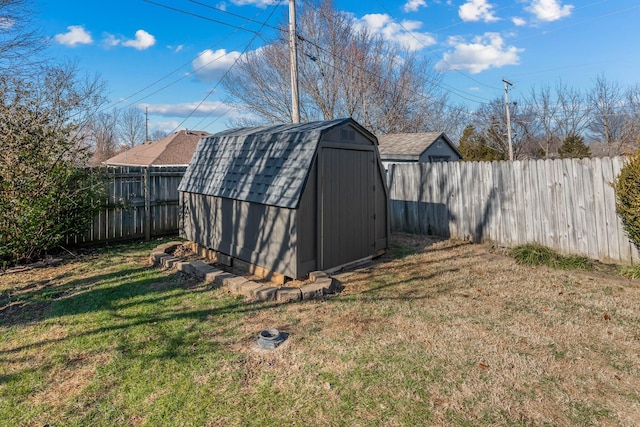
[
  {"x": 295, "y": 109},
  {"x": 507, "y": 83},
  {"x": 146, "y": 124}
]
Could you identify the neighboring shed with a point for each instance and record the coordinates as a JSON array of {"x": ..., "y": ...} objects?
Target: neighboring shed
[
  {"x": 174, "y": 150},
  {"x": 290, "y": 198},
  {"x": 417, "y": 147}
]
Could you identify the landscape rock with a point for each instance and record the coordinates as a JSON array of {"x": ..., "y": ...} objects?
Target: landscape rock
[
  {"x": 265, "y": 293},
  {"x": 287, "y": 294},
  {"x": 312, "y": 291},
  {"x": 248, "y": 288}
]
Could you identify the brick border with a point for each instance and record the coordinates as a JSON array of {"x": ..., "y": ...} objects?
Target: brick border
[{"x": 321, "y": 283}]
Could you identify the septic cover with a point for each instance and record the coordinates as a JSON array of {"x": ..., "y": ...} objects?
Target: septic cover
[{"x": 270, "y": 338}]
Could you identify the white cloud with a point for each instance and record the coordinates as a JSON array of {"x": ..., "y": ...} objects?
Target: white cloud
[
  {"x": 75, "y": 36},
  {"x": 211, "y": 65},
  {"x": 518, "y": 22},
  {"x": 207, "y": 108},
  {"x": 166, "y": 126},
  {"x": 142, "y": 41},
  {"x": 404, "y": 33},
  {"x": 549, "y": 10},
  {"x": 484, "y": 52},
  {"x": 109, "y": 40},
  {"x": 477, "y": 10},
  {"x": 414, "y": 5},
  {"x": 176, "y": 49},
  {"x": 6, "y": 23}
]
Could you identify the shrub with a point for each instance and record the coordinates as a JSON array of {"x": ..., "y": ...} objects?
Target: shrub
[
  {"x": 535, "y": 254},
  {"x": 627, "y": 187},
  {"x": 45, "y": 193},
  {"x": 574, "y": 147}
]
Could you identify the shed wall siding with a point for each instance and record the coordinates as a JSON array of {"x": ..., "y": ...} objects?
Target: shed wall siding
[
  {"x": 259, "y": 234},
  {"x": 439, "y": 148}
]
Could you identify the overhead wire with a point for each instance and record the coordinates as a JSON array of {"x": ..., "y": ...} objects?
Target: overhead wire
[
  {"x": 195, "y": 15},
  {"x": 189, "y": 74},
  {"x": 264, "y": 24},
  {"x": 257, "y": 34},
  {"x": 454, "y": 91}
]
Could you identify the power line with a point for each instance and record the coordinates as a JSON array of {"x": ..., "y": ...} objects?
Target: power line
[
  {"x": 264, "y": 24},
  {"x": 356, "y": 65},
  {"x": 171, "y": 73},
  {"x": 257, "y": 34},
  {"x": 206, "y": 18},
  {"x": 444, "y": 86}
]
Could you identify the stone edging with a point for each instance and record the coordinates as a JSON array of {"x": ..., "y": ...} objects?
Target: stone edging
[{"x": 321, "y": 283}]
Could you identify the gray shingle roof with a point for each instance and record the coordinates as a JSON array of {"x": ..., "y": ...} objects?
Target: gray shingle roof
[
  {"x": 267, "y": 165},
  {"x": 409, "y": 145}
]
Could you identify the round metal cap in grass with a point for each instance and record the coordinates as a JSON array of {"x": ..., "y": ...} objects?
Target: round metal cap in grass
[{"x": 270, "y": 338}]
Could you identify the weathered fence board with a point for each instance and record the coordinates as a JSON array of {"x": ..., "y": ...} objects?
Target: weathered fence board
[
  {"x": 141, "y": 202},
  {"x": 568, "y": 205}
]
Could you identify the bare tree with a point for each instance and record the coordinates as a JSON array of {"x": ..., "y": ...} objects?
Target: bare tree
[
  {"x": 158, "y": 134},
  {"x": 608, "y": 118},
  {"x": 131, "y": 127},
  {"x": 491, "y": 121},
  {"x": 344, "y": 72},
  {"x": 545, "y": 114},
  {"x": 18, "y": 39},
  {"x": 573, "y": 111},
  {"x": 260, "y": 81},
  {"x": 631, "y": 129},
  {"x": 104, "y": 136}
]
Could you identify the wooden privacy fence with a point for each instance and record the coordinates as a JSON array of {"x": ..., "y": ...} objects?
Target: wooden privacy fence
[
  {"x": 567, "y": 205},
  {"x": 142, "y": 202}
]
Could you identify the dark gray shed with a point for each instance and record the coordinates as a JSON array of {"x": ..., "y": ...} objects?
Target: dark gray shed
[{"x": 290, "y": 198}]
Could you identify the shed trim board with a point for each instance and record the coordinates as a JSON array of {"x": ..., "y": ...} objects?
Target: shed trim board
[{"x": 305, "y": 189}]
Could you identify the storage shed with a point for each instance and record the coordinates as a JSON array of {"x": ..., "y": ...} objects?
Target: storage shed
[
  {"x": 417, "y": 148},
  {"x": 290, "y": 198}
]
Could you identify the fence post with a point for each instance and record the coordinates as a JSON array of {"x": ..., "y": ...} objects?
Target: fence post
[{"x": 147, "y": 204}]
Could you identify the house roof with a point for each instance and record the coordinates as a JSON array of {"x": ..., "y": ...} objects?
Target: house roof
[
  {"x": 267, "y": 165},
  {"x": 409, "y": 145},
  {"x": 175, "y": 149}
]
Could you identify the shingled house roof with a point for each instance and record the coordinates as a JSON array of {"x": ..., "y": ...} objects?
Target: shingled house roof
[
  {"x": 267, "y": 165},
  {"x": 409, "y": 145},
  {"x": 175, "y": 149}
]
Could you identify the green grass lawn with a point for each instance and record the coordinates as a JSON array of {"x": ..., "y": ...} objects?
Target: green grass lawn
[{"x": 443, "y": 333}]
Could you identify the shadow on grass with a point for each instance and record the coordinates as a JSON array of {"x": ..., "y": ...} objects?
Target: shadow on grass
[
  {"x": 43, "y": 299},
  {"x": 160, "y": 329},
  {"x": 80, "y": 298}
]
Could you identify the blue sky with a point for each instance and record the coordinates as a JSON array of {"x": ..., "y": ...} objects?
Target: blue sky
[{"x": 171, "y": 62}]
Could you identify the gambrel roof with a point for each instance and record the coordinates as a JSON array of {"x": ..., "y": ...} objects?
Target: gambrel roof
[{"x": 267, "y": 164}]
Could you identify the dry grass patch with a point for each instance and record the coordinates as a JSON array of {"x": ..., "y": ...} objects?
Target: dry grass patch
[{"x": 436, "y": 333}]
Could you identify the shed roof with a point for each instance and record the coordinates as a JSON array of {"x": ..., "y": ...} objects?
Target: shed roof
[
  {"x": 175, "y": 149},
  {"x": 409, "y": 144},
  {"x": 267, "y": 164}
]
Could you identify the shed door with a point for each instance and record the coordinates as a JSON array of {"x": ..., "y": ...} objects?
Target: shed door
[{"x": 347, "y": 209}]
